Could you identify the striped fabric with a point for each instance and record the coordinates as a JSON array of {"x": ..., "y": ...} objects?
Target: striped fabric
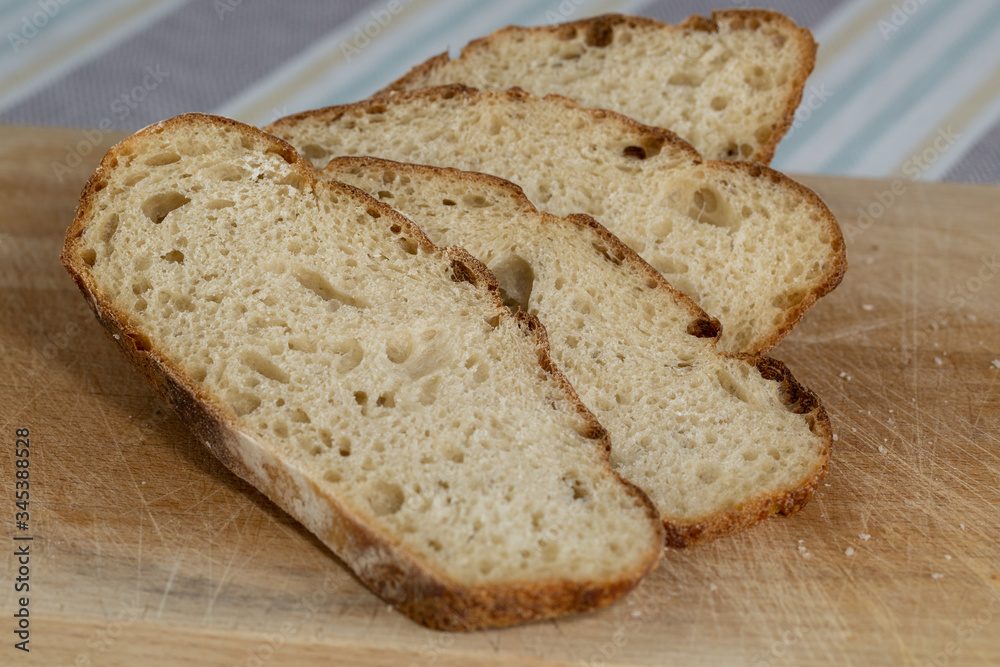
[{"x": 902, "y": 88}]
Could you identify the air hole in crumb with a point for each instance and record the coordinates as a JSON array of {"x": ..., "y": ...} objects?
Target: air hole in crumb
[
  {"x": 351, "y": 354},
  {"x": 719, "y": 103},
  {"x": 385, "y": 498},
  {"x": 332, "y": 476},
  {"x": 321, "y": 287},
  {"x": 475, "y": 201},
  {"x": 89, "y": 256},
  {"x": 299, "y": 416},
  {"x": 580, "y": 490},
  {"x": 449, "y": 202},
  {"x": 293, "y": 179},
  {"x": 395, "y": 229},
  {"x": 408, "y": 245},
  {"x": 399, "y": 347},
  {"x": 344, "y": 446},
  {"x": 161, "y": 159},
  {"x": 708, "y": 473},
  {"x": 258, "y": 363},
  {"x": 175, "y": 256},
  {"x": 243, "y": 403},
  {"x": 609, "y": 255},
  {"x": 386, "y": 400},
  {"x": 314, "y": 151},
  {"x": 280, "y": 429},
  {"x": 729, "y": 383},
  {"x": 516, "y": 278},
  {"x": 159, "y": 206}
]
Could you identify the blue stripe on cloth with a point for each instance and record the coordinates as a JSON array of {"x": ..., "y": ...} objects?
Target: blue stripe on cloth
[
  {"x": 851, "y": 153},
  {"x": 917, "y": 27}
]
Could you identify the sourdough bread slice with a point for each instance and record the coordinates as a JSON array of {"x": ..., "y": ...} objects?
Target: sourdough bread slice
[
  {"x": 718, "y": 442},
  {"x": 754, "y": 248},
  {"x": 729, "y": 85},
  {"x": 371, "y": 384}
]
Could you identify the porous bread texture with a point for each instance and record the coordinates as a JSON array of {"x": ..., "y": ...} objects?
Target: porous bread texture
[
  {"x": 717, "y": 442},
  {"x": 729, "y": 85},
  {"x": 753, "y": 248},
  {"x": 370, "y": 383}
]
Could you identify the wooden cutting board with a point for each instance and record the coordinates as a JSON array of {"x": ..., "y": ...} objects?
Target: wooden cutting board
[{"x": 147, "y": 551}]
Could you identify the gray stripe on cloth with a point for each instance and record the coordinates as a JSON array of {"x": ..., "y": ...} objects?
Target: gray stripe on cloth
[
  {"x": 808, "y": 14},
  {"x": 981, "y": 163},
  {"x": 192, "y": 59}
]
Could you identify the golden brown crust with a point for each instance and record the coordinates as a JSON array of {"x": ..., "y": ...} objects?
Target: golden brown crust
[
  {"x": 386, "y": 566},
  {"x": 796, "y": 398},
  {"x": 598, "y": 32}
]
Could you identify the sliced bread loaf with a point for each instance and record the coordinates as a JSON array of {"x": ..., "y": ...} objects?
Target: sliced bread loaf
[
  {"x": 729, "y": 84},
  {"x": 754, "y": 248},
  {"x": 371, "y": 384},
  {"x": 718, "y": 442}
]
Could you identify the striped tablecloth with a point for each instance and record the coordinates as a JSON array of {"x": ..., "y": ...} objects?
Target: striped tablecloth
[{"x": 902, "y": 88}]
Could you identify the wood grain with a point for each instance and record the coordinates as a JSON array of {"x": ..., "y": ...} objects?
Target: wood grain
[{"x": 147, "y": 551}]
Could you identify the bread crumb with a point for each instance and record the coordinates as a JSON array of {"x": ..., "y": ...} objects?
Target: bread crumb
[
  {"x": 835, "y": 438},
  {"x": 864, "y": 537},
  {"x": 116, "y": 336},
  {"x": 807, "y": 555},
  {"x": 947, "y": 557},
  {"x": 937, "y": 360},
  {"x": 849, "y": 551},
  {"x": 867, "y": 306},
  {"x": 996, "y": 363},
  {"x": 869, "y": 260},
  {"x": 848, "y": 378},
  {"x": 882, "y": 450},
  {"x": 972, "y": 317},
  {"x": 713, "y": 587},
  {"x": 962, "y": 526},
  {"x": 843, "y": 374},
  {"x": 635, "y": 613},
  {"x": 936, "y": 575}
]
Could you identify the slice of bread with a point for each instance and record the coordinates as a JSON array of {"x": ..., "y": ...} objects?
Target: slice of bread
[
  {"x": 718, "y": 442},
  {"x": 729, "y": 85},
  {"x": 754, "y": 248},
  {"x": 371, "y": 384}
]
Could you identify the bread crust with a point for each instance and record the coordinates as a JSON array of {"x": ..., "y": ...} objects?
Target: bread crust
[
  {"x": 426, "y": 594},
  {"x": 647, "y": 134},
  {"x": 598, "y": 29},
  {"x": 795, "y": 397}
]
